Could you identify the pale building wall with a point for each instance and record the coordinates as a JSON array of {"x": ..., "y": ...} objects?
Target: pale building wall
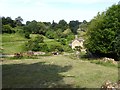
[{"x": 76, "y": 43}]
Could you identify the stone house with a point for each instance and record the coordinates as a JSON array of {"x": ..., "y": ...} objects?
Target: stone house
[{"x": 77, "y": 42}]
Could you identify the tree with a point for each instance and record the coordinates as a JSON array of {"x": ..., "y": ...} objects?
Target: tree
[
  {"x": 41, "y": 28},
  {"x": 35, "y": 27},
  {"x": 39, "y": 39},
  {"x": 74, "y": 25},
  {"x": 43, "y": 47},
  {"x": 103, "y": 31},
  {"x": 31, "y": 27},
  {"x": 27, "y": 35},
  {"x": 27, "y": 22},
  {"x": 63, "y": 41},
  {"x": 53, "y": 25},
  {"x": 56, "y": 47},
  {"x": 117, "y": 46},
  {"x": 62, "y": 25},
  {"x": 8, "y": 21},
  {"x": 84, "y": 21},
  {"x": 19, "y": 21},
  {"x": 50, "y": 34},
  {"x": 7, "y": 29},
  {"x": 34, "y": 44}
]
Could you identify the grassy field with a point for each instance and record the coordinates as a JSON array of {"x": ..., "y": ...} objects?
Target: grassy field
[
  {"x": 14, "y": 43},
  {"x": 55, "y": 71}
]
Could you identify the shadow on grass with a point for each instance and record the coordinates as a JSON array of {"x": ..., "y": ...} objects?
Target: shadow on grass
[{"x": 36, "y": 75}]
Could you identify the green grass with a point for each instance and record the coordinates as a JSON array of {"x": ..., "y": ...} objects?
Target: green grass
[
  {"x": 55, "y": 71},
  {"x": 12, "y": 37},
  {"x": 100, "y": 62},
  {"x": 12, "y": 43},
  {"x": 13, "y": 47}
]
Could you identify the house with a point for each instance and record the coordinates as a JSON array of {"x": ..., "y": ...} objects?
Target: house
[{"x": 77, "y": 42}]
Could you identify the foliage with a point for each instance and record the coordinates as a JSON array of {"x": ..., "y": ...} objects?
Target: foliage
[
  {"x": 19, "y": 21},
  {"x": 117, "y": 46},
  {"x": 74, "y": 25},
  {"x": 56, "y": 47},
  {"x": 35, "y": 27},
  {"x": 7, "y": 29},
  {"x": 27, "y": 35},
  {"x": 50, "y": 34},
  {"x": 63, "y": 25},
  {"x": 33, "y": 44},
  {"x": 38, "y": 39},
  {"x": 43, "y": 47},
  {"x": 8, "y": 21},
  {"x": 63, "y": 41},
  {"x": 67, "y": 48},
  {"x": 60, "y": 32},
  {"x": 103, "y": 31}
]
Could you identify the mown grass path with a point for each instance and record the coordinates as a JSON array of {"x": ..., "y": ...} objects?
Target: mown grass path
[{"x": 55, "y": 71}]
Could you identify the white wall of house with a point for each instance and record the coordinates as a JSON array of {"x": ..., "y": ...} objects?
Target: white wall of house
[{"x": 77, "y": 43}]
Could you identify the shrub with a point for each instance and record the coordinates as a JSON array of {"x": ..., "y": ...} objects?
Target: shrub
[
  {"x": 43, "y": 47},
  {"x": 50, "y": 34},
  {"x": 27, "y": 35},
  {"x": 33, "y": 44},
  {"x": 7, "y": 29},
  {"x": 56, "y": 47}
]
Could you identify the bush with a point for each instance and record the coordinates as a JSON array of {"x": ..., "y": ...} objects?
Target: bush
[
  {"x": 38, "y": 39},
  {"x": 50, "y": 34},
  {"x": 33, "y": 44},
  {"x": 43, "y": 47},
  {"x": 67, "y": 49},
  {"x": 7, "y": 29},
  {"x": 27, "y": 35},
  {"x": 63, "y": 41},
  {"x": 55, "y": 47}
]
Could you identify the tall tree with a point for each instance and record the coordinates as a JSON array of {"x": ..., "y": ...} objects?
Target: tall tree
[
  {"x": 74, "y": 25},
  {"x": 62, "y": 25},
  {"x": 103, "y": 31},
  {"x": 9, "y": 21},
  {"x": 19, "y": 20}
]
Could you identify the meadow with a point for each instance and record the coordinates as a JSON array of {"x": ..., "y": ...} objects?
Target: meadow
[
  {"x": 55, "y": 72},
  {"x": 12, "y": 43},
  {"x": 59, "y": 71}
]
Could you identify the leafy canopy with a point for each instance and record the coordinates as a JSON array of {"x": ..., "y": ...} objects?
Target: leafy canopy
[{"x": 103, "y": 31}]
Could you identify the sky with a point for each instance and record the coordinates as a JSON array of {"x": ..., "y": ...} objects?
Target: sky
[{"x": 49, "y": 10}]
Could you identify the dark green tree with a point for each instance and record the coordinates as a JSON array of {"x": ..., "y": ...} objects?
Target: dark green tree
[
  {"x": 103, "y": 31},
  {"x": 62, "y": 25},
  {"x": 7, "y": 29},
  {"x": 19, "y": 21},
  {"x": 50, "y": 34},
  {"x": 34, "y": 44},
  {"x": 41, "y": 28},
  {"x": 8, "y": 21},
  {"x": 74, "y": 25}
]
